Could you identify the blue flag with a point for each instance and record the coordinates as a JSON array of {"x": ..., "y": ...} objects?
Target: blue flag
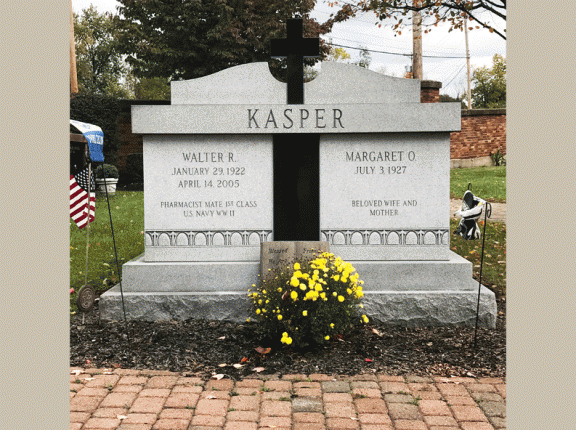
[{"x": 95, "y": 137}]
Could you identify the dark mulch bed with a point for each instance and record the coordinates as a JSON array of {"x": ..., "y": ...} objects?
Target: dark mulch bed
[{"x": 200, "y": 346}]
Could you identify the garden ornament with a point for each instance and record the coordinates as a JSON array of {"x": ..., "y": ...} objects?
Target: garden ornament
[{"x": 472, "y": 208}]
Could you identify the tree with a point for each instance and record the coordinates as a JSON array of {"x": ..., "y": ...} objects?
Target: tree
[
  {"x": 338, "y": 54},
  {"x": 152, "y": 89},
  {"x": 489, "y": 85},
  {"x": 99, "y": 62},
  {"x": 445, "y": 98},
  {"x": 365, "y": 58},
  {"x": 456, "y": 13},
  {"x": 184, "y": 39}
]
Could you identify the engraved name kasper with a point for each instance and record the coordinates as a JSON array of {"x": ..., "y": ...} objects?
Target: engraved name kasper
[{"x": 288, "y": 118}]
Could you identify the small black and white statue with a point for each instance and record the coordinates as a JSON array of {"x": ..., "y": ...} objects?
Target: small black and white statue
[{"x": 472, "y": 208}]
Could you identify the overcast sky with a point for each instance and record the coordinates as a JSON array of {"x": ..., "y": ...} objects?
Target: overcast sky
[{"x": 362, "y": 32}]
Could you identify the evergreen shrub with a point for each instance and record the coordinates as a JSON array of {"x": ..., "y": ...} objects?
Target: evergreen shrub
[{"x": 106, "y": 171}]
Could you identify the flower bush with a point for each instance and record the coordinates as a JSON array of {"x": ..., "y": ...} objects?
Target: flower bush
[{"x": 309, "y": 303}]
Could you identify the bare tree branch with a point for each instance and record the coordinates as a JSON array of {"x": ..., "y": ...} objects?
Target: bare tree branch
[{"x": 457, "y": 12}]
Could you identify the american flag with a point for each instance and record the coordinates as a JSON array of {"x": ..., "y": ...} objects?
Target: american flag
[{"x": 79, "y": 198}]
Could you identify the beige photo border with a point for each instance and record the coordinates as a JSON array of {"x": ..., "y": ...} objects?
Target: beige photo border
[{"x": 34, "y": 306}]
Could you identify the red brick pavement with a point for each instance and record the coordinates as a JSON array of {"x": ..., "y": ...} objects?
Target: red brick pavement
[{"x": 122, "y": 399}]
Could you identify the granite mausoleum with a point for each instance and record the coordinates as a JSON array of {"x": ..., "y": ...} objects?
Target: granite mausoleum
[{"x": 362, "y": 164}]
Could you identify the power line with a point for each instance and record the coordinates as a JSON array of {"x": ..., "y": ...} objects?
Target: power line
[
  {"x": 374, "y": 36},
  {"x": 457, "y": 73},
  {"x": 389, "y": 53},
  {"x": 330, "y": 37}
]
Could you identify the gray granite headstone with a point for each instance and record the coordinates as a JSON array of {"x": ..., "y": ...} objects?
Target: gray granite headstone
[
  {"x": 207, "y": 197},
  {"x": 384, "y": 195}
]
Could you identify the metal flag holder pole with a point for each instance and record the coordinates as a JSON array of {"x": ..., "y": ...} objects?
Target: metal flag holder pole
[
  {"x": 94, "y": 152},
  {"x": 115, "y": 253},
  {"x": 468, "y": 228},
  {"x": 487, "y": 214},
  {"x": 87, "y": 237}
]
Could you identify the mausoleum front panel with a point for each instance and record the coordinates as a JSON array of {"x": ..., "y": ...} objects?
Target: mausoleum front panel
[
  {"x": 385, "y": 196},
  {"x": 207, "y": 197}
]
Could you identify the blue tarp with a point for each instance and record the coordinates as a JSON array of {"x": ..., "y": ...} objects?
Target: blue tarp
[{"x": 95, "y": 137}]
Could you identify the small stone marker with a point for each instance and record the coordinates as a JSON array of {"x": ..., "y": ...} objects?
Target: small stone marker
[
  {"x": 85, "y": 298},
  {"x": 274, "y": 255}
]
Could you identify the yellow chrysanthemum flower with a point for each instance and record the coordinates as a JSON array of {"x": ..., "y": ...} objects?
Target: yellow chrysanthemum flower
[
  {"x": 326, "y": 337},
  {"x": 305, "y": 313},
  {"x": 340, "y": 299},
  {"x": 279, "y": 317},
  {"x": 365, "y": 319},
  {"x": 258, "y": 311},
  {"x": 294, "y": 281},
  {"x": 331, "y": 325},
  {"x": 296, "y": 266},
  {"x": 294, "y": 295}
]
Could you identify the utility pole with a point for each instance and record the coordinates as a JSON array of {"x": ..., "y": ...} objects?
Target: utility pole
[
  {"x": 417, "y": 41},
  {"x": 73, "y": 76},
  {"x": 469, "y": 93}
]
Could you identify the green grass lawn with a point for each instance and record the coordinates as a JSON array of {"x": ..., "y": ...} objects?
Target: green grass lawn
[
  {"x": 494, "y": 267},
  {"x": 127, "y": 208},
  {"x": 488, "y": 183}
]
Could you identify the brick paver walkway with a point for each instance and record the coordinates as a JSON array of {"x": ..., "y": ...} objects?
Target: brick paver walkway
[{"x": 123, "y": 399}]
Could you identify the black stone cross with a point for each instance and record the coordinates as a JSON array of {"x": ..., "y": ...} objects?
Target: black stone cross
[{"x": 296, "y": 48}]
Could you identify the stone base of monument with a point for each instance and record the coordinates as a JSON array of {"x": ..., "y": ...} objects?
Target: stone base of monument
[{"x": 407, "y": 293}]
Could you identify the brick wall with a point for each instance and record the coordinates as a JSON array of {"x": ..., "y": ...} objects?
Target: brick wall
[{"x": 483, "y": 133}]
